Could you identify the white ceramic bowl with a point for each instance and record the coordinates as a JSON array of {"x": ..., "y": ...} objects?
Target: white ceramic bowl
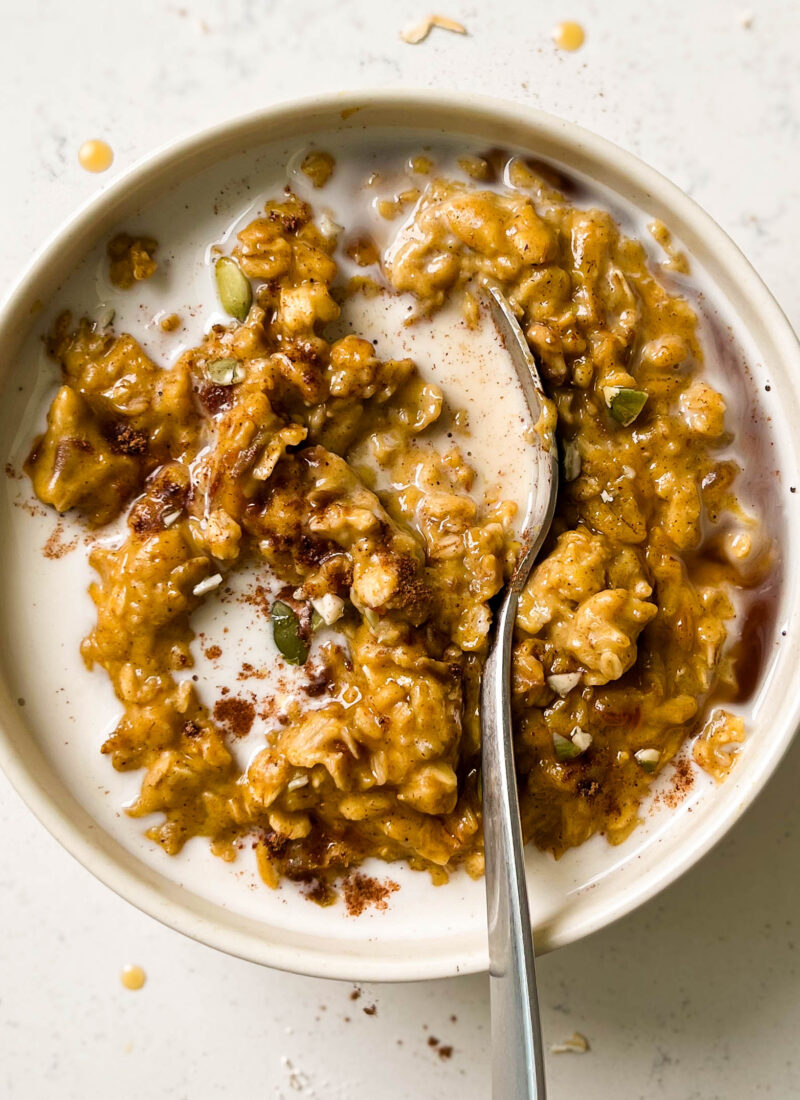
[{"x": 427, "y": 932}]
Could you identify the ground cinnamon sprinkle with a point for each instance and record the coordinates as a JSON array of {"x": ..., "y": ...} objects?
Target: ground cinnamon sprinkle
[
  {"x": 235, "y": 715},
  {"x": 213, "y": 652},
  {"x": 31, "y": 508},
  {"x": 260, "y": 598},
  {"x": 361, "y": 891},
  {"x": 681, "y": 783},
  {"x": 56, "y": 547},
  {"x": 250, "y": 672}
]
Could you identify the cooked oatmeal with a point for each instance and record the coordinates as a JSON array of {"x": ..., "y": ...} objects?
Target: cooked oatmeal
[{"x": 274, "y": 441}]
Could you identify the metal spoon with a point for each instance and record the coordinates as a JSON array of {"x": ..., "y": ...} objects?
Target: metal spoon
[{"x": 517, "y": 1055}]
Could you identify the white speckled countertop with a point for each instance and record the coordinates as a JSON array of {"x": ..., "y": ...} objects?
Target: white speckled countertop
[{"x": 693, "y": 997}]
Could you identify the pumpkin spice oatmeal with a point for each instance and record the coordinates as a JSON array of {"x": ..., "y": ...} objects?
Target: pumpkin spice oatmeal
[{"x": 284, "y": 443}]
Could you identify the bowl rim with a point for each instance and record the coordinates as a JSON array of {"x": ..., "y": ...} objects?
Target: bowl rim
[{"x": 15, "y": 312}]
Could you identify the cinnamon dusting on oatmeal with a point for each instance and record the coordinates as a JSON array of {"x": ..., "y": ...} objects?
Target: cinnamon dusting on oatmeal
[
  {"x": 125, "y": 440},
  {"x": 260, "y": 598},
  {"x": 213, "y": 652},
  {"x": 320, "y": 682},
  {"x": 235, "y": 714}
]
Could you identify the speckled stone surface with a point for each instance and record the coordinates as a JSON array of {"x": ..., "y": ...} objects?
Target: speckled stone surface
[{"x": 694, "y": 997}]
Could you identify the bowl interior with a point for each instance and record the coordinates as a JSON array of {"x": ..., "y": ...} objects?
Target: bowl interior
[{"x": 55, "y": 714}]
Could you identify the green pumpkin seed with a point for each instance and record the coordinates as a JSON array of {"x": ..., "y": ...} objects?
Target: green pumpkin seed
[
  {"x": 624, "y": 404},
  {"x": 648, "y": 759},
  {"x": 225, "y": 372},
  {"x": 233, "y": 287},
  {"x": 565, "y": 750},
  {"x": 286, "y": 632},
  {"x": 316, "y": 621}
]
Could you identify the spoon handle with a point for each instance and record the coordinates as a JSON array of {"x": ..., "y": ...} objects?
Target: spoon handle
[{"x": 517, "y": 1056}]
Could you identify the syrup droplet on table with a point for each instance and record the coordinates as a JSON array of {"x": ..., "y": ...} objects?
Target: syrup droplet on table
[
  {"x": 569, "y": 35},
  {"x": 95, "y": 155},
  {"x": 133, "y": 977}
]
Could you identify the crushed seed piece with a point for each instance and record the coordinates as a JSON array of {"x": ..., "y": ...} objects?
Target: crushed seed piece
[
  {"x": 562, "y": 683},
  {"x": 418, "y": 32},
  {"x": 572, "y": 459},
  {"x": 648, "y": 758},
  {"x": 576, "y": 1044},
  {"x": 206, "y": 585}
]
